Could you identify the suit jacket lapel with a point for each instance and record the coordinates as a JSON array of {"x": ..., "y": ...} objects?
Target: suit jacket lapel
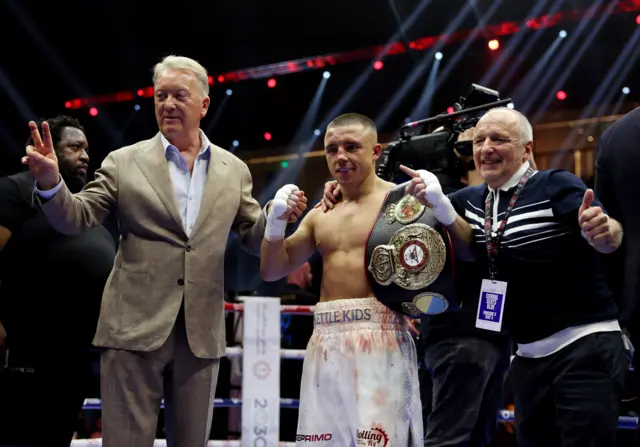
[
  {"x": 214, "y": 186},
  {"x": 152, "y": 162}
]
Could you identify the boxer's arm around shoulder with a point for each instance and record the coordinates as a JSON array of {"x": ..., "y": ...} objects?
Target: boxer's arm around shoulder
[
  {"x": 250, "y": 221},
  {"x": 74, "y": 213},
  {"x": 280, "y": 256}
]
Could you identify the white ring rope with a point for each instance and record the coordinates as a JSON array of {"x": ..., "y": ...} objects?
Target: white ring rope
[
  {"x": 285, "y": 308},
  {"x": 296, "y": 354}
]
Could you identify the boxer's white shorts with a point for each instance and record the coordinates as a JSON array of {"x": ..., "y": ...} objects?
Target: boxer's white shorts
[{"x": 359, "y": 379}]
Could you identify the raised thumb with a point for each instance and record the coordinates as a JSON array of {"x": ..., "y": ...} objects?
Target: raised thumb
[{"x": 587, "y": 200}]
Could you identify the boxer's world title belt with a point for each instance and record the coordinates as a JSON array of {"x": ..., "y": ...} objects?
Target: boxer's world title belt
[{"x": 409, "y": 257}]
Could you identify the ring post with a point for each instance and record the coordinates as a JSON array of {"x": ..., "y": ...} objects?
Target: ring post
[{"x": 261, "y": 372}]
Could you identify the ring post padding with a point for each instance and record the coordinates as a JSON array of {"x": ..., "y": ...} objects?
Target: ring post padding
[{"x": 261, "y": 371}]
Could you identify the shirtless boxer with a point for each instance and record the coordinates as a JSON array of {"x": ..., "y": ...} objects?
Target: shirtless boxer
[{"x": 359, "y": 382}]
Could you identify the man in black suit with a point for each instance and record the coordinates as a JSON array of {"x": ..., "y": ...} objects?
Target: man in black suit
[{"x": 617, "y": 187}]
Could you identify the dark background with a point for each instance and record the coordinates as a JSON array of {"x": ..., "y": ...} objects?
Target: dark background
[{"x": 53, "y": 52}]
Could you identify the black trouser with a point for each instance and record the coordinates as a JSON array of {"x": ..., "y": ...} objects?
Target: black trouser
[
  {"x": 41, "y": 396},
  {"x": 462, "y": 391},
  {"x": 571, "y": 398}
]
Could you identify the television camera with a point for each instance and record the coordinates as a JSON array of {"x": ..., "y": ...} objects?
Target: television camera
[{"x": 433, "y": 150}]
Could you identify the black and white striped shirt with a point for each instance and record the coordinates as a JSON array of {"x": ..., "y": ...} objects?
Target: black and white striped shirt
[{"x": 554, "y": 278}]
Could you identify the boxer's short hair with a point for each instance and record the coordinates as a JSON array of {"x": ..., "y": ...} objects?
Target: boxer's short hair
[{"x": 348, "y": 119}]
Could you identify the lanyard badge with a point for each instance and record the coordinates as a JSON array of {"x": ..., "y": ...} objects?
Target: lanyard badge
[{"x": 493, "y": 292}]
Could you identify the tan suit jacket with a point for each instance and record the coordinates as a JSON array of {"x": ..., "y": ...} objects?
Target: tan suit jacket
[{"x": 157, "y": 265}]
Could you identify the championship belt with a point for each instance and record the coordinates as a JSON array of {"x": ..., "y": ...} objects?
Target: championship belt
[{"x": 409, "y": 258}]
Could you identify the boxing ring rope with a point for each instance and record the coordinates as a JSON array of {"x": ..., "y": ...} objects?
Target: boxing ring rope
[
  {"x": 624, "y": 422},
  {"x": 285, "y": 309}
]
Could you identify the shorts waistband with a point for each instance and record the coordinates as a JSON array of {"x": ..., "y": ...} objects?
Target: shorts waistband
[{"x": 354, "y": 311}]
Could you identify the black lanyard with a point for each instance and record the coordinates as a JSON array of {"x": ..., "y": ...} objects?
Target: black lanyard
[{"x": 493, "y": 243}]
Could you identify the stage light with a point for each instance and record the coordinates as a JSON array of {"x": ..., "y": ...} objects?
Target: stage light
[
  {"x": 316, "y": 132},
  {"x": 229, "y": 92},
  {"x": 450, "y": 109},
  {"x": 210, "y": 80},
  {"x": 510, "y": 105},
  {"x": 67, "y": 104},
  {"x": 140, "y": 92},
  {"x": 220, "y": 78},
  {"x": 235, "y": 143},
  {"x": 267, "y": 136},
  {"x": 93, "y": 111},
  {"x": 284, "y": 164},
  {"x": 494, "y": 44},
  {"x": 562, "y": 34},
  {"x": 136, "y": 107},
  {"x": 626, "y": 90},
  {"x": 561, "y": 95},
  {"x": 271, "y": 83},
  {"x": 377, "y": 65},
  {"x": 438, "y": 55},
  {"x": 326, "y": 75},
  {"x": 638, "y": 20}
]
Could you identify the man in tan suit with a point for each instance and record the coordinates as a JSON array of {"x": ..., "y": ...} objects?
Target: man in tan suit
[{"x": 176, "y": 198}]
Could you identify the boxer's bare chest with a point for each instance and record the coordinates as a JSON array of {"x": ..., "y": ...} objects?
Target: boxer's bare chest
[{"x": 346, "y": 228}]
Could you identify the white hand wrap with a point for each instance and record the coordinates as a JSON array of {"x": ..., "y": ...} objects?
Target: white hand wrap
[
  {"x": 275, "y": 228},
  {"x": 442, "y": 208}
]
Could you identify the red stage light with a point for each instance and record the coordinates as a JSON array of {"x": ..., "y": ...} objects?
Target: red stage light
[
  {"x": 494, "y": 44},
  {"x": 267, "y": 136},
  {"x": 140, "y": 92},
  {"x": 419, "y": 44},
  {"x": 377, "y": 65},
  {"x": 271, "y": 83},
  {"x": 210, "y": 80},
  {"x": 450, "y": 109},
  {"x": 93, "y": 111},
  {"x": 67, "y": 104},
  {"x": 561, "y": 95}
]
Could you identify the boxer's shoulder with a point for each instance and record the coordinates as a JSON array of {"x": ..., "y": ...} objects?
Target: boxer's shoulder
[{"x": 313, "y": 216}]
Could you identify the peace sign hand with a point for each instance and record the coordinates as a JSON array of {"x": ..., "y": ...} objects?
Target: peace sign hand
[{"x": 41, "y": 158}]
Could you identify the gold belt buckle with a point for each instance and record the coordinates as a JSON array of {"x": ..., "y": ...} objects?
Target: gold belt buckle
[{"x": 414, "y": 258}]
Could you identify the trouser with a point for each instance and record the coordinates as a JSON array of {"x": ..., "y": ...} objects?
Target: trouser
[
  {"x": 461, "y": 385},
  {"x": 42, "y": 391},
  {"x": 134, "y": 383},
  {"x": 572, "y": 397}
]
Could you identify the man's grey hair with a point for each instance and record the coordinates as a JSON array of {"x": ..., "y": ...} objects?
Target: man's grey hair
[
  {"x": 526, "y": 130},
  {"x": 183, "y": 63}
]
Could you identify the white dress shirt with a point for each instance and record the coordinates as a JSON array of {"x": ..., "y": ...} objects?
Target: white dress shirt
[{"x": 188, "y": 188}]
